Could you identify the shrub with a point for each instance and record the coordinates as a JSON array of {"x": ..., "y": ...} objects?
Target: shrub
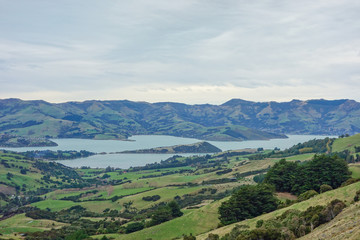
[
  {"x": 212, "y": 237},
  {"x": 307, "y": 195},
  {"x": 350, "y": 181},
  {"x": 133, "y": 227},
  {"x": 325, "y": 188},
  {"x": 151, "y": 198},
  {"x": 357, "y": 196},
  {"x": 190, "y": 237},
  {"x": 259, "y": 223}
]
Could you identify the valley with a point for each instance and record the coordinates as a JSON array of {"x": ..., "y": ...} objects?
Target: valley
[{"x": 122, "y": 203}]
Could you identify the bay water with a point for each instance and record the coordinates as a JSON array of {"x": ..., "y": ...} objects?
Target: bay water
[{"x": 109, "y": 147}]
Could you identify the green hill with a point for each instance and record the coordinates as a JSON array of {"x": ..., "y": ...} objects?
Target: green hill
[
  {"x": 234, "y": 120},
  {"x": 104, "y": 202},
  {"x": 118, "y": 120},
  {"x": 200, "y": 147}
]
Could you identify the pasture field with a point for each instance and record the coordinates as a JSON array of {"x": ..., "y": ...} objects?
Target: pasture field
[
  {"x": 194, "y": 221},
  {"x": 20, "y": 223},
  {"x": 348, "y": 143},
  {"x": 355, "y": 170}
]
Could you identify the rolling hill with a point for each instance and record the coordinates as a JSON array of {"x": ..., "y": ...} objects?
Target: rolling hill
[{"x": 234, "y": 120}]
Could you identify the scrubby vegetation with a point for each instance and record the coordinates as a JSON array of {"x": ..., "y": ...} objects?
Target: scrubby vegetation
[
  {"x": 56, "y": 155},
  {"x": 291, "y": 224},
  {"x": 312, "y": 146}
]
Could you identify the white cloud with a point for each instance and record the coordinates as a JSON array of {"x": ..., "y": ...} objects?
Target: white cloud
[{"x": 186, "y": 51}]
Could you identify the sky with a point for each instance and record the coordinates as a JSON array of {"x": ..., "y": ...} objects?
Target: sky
[{"x": 188, "y": 51}]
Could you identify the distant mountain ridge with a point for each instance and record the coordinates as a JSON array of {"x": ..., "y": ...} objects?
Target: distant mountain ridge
[{"x": 234, "y": 120}]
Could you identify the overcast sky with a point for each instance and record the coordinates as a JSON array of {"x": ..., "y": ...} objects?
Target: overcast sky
[{"x": 185, "y": 51}]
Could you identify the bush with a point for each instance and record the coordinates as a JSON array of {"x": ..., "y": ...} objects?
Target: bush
[
  {"x": 212, "y": 237},
  {"x": 325, "y": 188},
  {"x": 350, "y": 181},
  {"x": 357, "y": 196},
  {"x": 191, "y": 237},
  {"x": 151, "y": 198},
  {"x": 259, "y": 223},
  {"x": 165, "y": 213},
  {"x": 133, "y": 227},
  {"x": 307, "y": 195},
  {"x": 290, "y": 225}
]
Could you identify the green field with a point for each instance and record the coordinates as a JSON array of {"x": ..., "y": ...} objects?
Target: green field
[
  {"x": 355, "y": 170},
  {"x": 54, "y": 205},
  {"x": 166, "y": 193},
  {"x": 348, "y": 143},
  {"x": 20, "y": 223},
  {"x": 193, "y": 221}
]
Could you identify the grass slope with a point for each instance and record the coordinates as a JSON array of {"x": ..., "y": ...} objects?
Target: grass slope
[
  {"x": 348, "y": 143},
  {"x": 345, "y": 194},
  {"x": 20, "y": 223},
  {"x": 193, "y": 221},
  {"x": 344, "y": 226}
]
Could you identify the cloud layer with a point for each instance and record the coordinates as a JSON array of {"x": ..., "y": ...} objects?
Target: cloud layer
[{"x": 187, "y": 51}]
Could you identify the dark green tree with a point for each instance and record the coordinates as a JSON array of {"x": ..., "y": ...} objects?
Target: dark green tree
[
  {"x": 175, "y": 209},
  {"x": 283, "y": 175},
  {"x": 248, "y": 202}
]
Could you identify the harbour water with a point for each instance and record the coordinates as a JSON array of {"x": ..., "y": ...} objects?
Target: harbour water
[{"x": 150, "y": 141}]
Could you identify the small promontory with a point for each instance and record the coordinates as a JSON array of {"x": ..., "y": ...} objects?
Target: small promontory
[
  {"x": 200, "y": 147},
  {"x": 10, "y": 141}
]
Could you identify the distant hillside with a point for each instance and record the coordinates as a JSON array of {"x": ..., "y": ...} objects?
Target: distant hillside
[
  {"x": 201, "y": 147},
  {"x": 234, "y": 120}
]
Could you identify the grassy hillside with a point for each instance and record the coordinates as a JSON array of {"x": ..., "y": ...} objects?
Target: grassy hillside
[
  {"x": 20, "y": 223},
  {"x": 345, "y": 194},
  {"x": 347, "y": 143},
  {"x": 344, "y": 226},
  {"x": 25, "y": 175},
  {"x": 117, "y": 120},
  {"x": 234, "y": 120},
  {"x": 107, "y": 201},
  {"x": 193, "y": 221}
]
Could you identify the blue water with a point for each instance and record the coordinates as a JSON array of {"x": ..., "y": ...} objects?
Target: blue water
[{"x": 150, "y": 141}]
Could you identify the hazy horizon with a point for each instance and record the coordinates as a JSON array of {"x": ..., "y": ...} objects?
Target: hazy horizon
[{"x": 89, "y": 100}]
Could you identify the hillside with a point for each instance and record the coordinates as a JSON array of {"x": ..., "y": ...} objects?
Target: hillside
[
  {"x": 346, "y": 143},
  {"x": 47, "y": 200},
  {"x": 344, "y": 226},
  {"x": 234, "y": 120},
  {"x": 200, "y": 147},
  {"x": 345, "y": 194}
]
